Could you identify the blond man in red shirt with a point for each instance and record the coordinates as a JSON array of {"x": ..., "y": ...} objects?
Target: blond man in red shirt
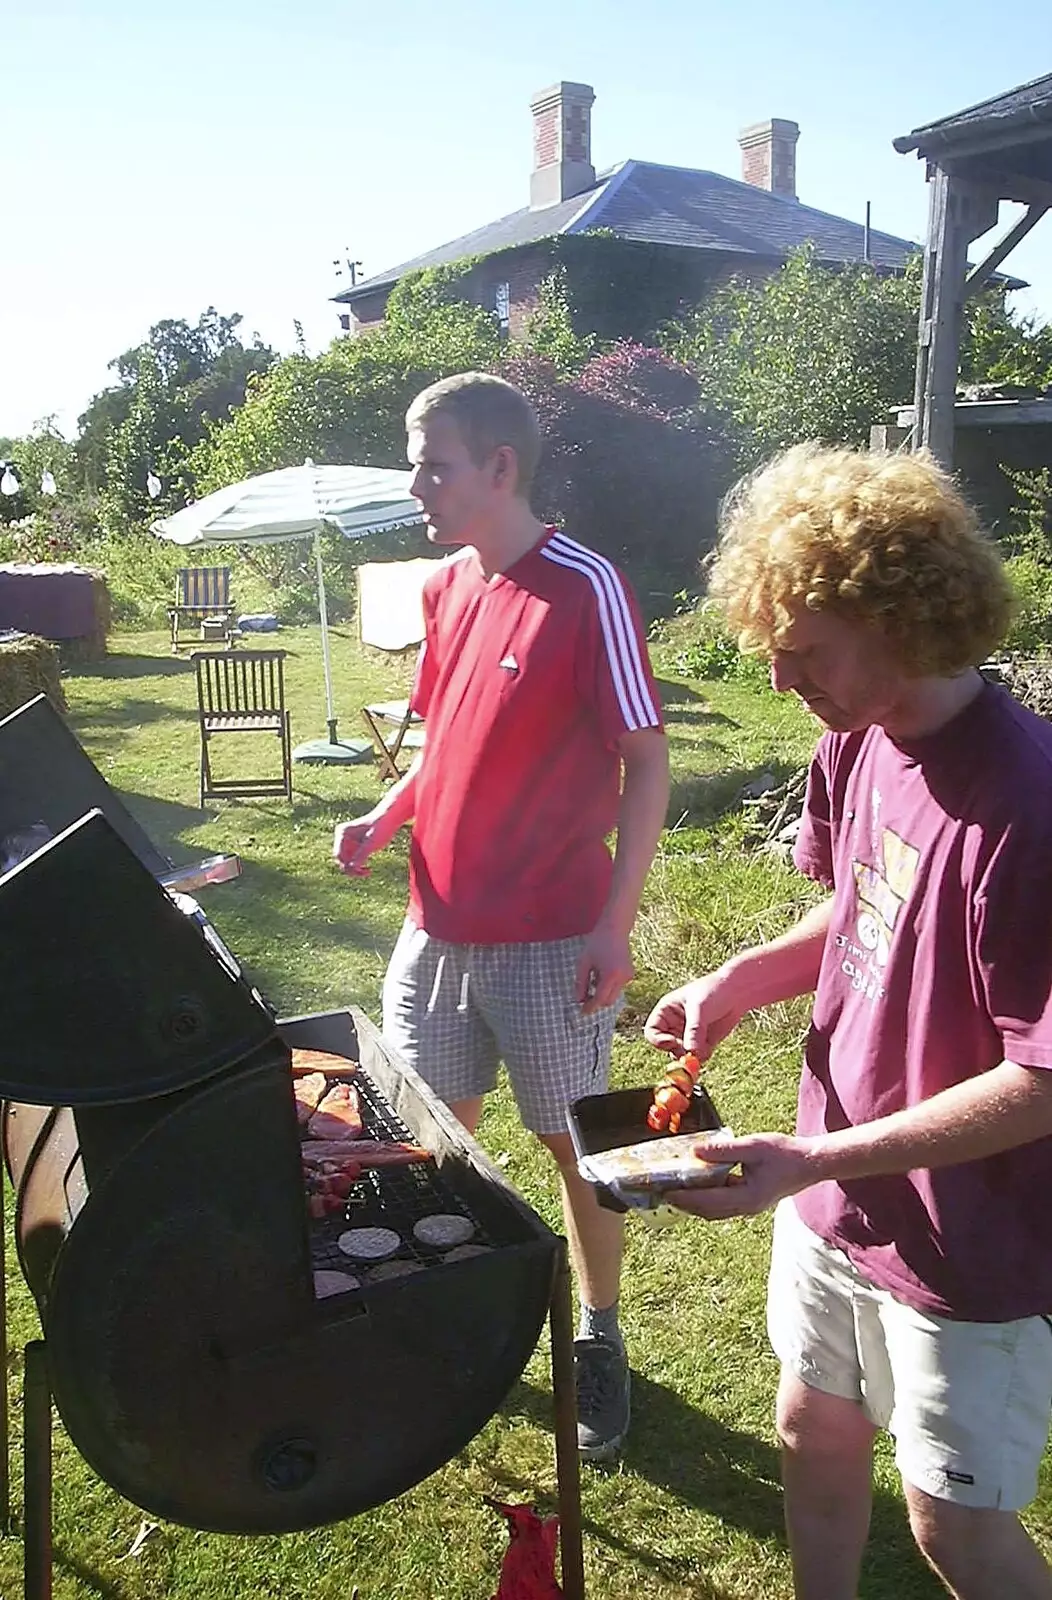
[{"x": 544, "y": 735}]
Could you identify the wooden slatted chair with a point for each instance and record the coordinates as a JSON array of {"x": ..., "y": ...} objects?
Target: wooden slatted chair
[
  {"x": 243, "y": 692},
  {"x": 202, "y": 596}
]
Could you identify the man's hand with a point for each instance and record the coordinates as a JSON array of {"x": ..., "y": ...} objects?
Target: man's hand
[
  {"x": 603, "y": 969},
  {"x": 354, "y": 842},
  {"x": 696, "y": 1017},
  {"x": 773, "y": 1165}
]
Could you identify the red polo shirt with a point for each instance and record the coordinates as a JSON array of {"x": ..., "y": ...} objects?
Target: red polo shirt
[{"x": 528, "y": 680}]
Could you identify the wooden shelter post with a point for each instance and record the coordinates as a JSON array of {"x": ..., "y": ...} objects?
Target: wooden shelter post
[{"x": 959, "y": 212}]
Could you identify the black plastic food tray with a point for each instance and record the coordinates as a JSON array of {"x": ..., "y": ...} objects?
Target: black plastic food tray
[{"x": 609, "y": 1121}]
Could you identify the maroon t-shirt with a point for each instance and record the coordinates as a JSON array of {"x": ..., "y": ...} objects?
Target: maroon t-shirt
[
  {"x": 938, "y": 966},
  {"x": 528, "y": 681}
]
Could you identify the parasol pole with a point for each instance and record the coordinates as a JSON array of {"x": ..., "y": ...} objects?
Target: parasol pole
[{"x": 323, "y": 612}]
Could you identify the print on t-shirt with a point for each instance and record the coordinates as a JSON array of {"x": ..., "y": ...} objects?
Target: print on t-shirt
[{"x": 881, "y": 891}]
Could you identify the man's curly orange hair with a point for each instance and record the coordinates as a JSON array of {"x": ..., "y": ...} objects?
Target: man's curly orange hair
[{"x": 886, "y": 539}]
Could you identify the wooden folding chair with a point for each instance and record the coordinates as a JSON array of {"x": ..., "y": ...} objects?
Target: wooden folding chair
[
  {"x": 202, "y": 597},
  {"x": 408, "y": 731},
  {"x": 391, "y": 618},
  {"x": 243, "y": 692}
]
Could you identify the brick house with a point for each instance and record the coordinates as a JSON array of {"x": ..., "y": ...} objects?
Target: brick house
[{"x": 638, "y": 241}]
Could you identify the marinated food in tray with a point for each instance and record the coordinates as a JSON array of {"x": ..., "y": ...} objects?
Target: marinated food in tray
[
  {"x": 366, "y": 1152},
  {"x": 308, "y": 1091},
  {"x": 672, "y": 1095},
  {"x": 369, "y": 1244},
  {"x": 654, "y": 1167},
  {"x": 327, "y": 1283},
  {"x": 333, "y": 1066},
  {"x": 444, "y": 1231},
  {"x": 338, "y": 1116}
]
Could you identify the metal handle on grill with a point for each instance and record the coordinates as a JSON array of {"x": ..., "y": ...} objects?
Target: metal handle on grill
[{"x": 214, "y": 869}]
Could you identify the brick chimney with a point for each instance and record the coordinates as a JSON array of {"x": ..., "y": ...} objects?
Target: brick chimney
[
  {"x": 769, "y": 155},
  {"x": 562, "y": 143}
]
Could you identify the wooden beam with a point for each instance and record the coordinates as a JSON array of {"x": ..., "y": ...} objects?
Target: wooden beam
[
  {"x": 959, "y": 212},
  {"x": 1018, "y": 186},
  {"x": 984, "y": 271}
]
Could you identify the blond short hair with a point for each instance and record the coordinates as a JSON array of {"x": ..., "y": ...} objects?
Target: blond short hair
[
  {"x": 489, "y": 412},
  {"x": 885, "y": 539}
]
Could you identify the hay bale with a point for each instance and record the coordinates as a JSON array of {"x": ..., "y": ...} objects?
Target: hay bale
[
  {"x": 29, "y": 666},
  {"x": 63, "y": 601}
]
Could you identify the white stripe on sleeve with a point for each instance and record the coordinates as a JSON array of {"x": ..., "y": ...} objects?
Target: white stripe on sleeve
[{"x": 631, "y": 685}]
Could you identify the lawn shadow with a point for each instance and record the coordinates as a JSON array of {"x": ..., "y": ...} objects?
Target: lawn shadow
[
  {"x": 704, "y": 798},
  {"x": 673, "y": 689},
  {"x": 127, "y": 716},
  {"x": 131, "y": 667},
  {"x": 164, "y": 821},
  {"x": 682, "y": 704},
  {"x": 734, "y": 1476}
]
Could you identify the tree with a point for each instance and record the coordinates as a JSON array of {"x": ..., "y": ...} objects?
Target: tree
[
  {"x": 1001, "y": 347},
  {"x": 814, "y": 352},
  {"x": 348, "y": 404},
  {"x": 629, "y": 466},
  {"x": 171, "y": 387},
  {"x": 808, "y": 353}
]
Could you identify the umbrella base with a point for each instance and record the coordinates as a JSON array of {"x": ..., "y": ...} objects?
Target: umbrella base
[{"x": 338, "y": 752}]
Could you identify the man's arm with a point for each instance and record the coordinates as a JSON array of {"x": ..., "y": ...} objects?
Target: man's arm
[
  {"x": 605, "y": 965},
  {"x": 703, "y": 1012},
  {"x": 999, "y": 1110},
  {"x": 354, "y": 842}
]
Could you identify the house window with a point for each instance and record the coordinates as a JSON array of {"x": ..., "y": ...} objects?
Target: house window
[{"x": 502, "y": 302}]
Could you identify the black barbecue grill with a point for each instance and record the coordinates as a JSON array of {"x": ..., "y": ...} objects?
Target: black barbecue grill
[{"x": 161, "y": 1220}]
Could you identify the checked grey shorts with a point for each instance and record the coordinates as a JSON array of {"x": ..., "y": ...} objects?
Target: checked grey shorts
[{"x": 455, "y": 1011}]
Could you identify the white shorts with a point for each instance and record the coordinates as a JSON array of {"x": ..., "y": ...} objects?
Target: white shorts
[
  {"x": 455, "y": 1011},
  {"x": 967, "y": 1403}
]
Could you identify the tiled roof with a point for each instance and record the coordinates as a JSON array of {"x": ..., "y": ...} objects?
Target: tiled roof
[
  {"x": 1017, "y": 110},
  {"x": 519, "y": 227},
  {"x": 679, "y": 206},
  {"x": 706, "y": 211}
]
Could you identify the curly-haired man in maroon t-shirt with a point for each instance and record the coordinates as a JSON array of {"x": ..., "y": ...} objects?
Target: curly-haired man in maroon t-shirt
[{"x": 911, "y": 1273}]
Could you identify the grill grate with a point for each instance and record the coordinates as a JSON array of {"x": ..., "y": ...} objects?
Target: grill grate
[{"x": 389, "y": 1197}]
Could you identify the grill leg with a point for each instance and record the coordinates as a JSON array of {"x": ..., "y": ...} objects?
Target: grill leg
[
  {"x": 567, "y": 1461},
  {"x": 37, "y": 1455}
]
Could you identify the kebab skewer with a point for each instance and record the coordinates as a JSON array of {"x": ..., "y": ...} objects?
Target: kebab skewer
[{"x": 672, "y": 1095}]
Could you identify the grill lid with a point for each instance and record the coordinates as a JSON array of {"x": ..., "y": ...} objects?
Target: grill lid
[
  {"x": 110, "y": 992},
  {"x": 47, "y": 781}
]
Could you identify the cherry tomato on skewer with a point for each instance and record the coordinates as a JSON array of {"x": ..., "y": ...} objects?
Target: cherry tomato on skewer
[{"x": 672, "y": 1094}]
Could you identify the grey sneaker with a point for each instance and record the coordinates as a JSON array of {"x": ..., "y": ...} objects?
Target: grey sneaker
[{"x": 603, "y": 1405}]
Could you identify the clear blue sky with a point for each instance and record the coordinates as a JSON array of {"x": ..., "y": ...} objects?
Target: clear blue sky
[{"x": 163, "y": 158}]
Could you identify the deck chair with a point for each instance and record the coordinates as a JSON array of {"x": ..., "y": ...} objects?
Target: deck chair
[
  {"x": 391, "y": 617},
  {"x": 243, "y": 692},
  {"x": 202, "y": 597}
]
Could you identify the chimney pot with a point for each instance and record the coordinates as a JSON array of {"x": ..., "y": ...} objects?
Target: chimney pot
[
  {"x": 562, "y": 143},
  {"x": 769, "y": 155}
]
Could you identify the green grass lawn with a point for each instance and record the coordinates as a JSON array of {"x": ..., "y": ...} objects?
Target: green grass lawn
[{"x": 694, "y": 1508}]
